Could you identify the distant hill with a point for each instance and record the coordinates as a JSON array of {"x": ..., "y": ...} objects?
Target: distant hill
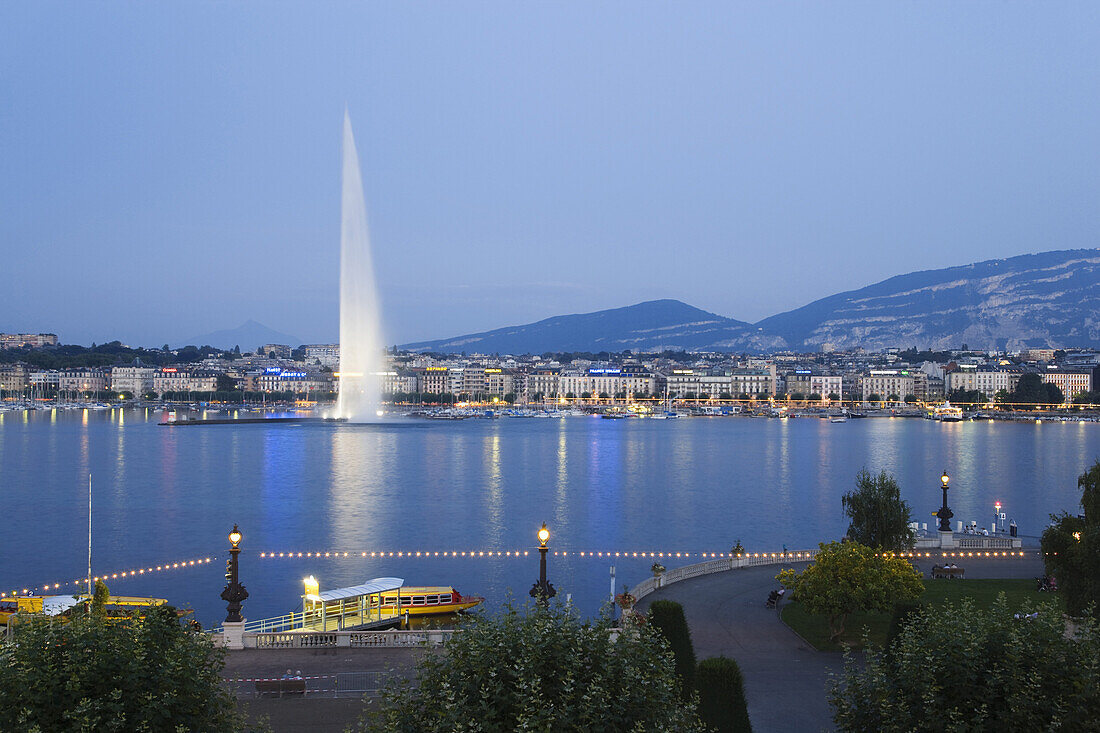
[
  {"x": 250, "y": 336},
  {"x": 1050, "y": 299},
  {"x": 655, "y": 325}
]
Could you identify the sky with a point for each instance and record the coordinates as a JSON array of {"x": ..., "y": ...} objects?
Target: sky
[{"x": 171, "y": 169}]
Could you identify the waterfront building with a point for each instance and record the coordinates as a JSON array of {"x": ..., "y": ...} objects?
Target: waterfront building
[
  {"x": 45, "y": 379},
  {"x": 297, "y": 381},
  {"x": 395, "y": 382},
  {"x": 174, "y": 379},
  {"x": 434, "y": 380},
  {"x": 34, "y": 340},
  {"x": 807, "y": 382},
  {"x": 83, "y": 380},
  {"x": 14, "y": 377},
  {"x": 754, "y": 381},
  {"x": 324, "y": 354},
  {"x": 989, "y": 380},
  {"x": 900, "y": 382},
  {"x": 544, "y": 382},
  {"x": 135, "y": 380},
  {"x": 1072, "y": 382}
]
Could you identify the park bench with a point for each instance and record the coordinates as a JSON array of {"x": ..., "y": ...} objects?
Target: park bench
[
  {"x": 279, "y": 688},
  {"x": 939, "y": 571}
]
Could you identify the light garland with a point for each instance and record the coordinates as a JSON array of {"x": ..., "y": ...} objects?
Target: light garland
[
  {"x": 83, "y": 582},
  {"x": 623, "y": 554}
]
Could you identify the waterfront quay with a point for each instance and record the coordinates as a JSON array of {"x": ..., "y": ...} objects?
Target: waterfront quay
[{"x": 786, "y": 679}]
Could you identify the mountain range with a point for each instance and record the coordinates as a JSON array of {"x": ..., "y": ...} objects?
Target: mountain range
[{"x": 1050, "y": 299}]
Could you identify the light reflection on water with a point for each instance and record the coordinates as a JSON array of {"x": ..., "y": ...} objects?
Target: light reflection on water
[{"x": 646, "y": 485}]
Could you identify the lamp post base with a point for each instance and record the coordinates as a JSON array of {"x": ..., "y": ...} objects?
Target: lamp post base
[
  {"x": 233, "y": 635},
  {"x": 947, "y": 539}
]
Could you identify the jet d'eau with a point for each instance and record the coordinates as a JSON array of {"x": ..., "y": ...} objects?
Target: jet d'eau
[{"x": 361, "y": 340}]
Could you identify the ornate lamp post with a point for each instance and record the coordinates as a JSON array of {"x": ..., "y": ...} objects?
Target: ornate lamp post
[
  {"x": 945, "y": 514},
  {"x": 234, "y": 592},
  {"x": 543, "y": 591}
]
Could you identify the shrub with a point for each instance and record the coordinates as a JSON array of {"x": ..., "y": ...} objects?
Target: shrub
[
  {"x": 667, "y": 617},
  {"x": 540, "y": 669},
  {"x": 722, "y": 705}
]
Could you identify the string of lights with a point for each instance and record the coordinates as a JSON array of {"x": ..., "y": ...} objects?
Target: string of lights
[
  {"x": 83, "y": 582},
  {"x": 790, "y": 555},
  {"x": 602, "y": 554}
]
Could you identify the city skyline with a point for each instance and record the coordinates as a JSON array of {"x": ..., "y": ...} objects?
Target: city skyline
[{"x": 174, "y": 172}]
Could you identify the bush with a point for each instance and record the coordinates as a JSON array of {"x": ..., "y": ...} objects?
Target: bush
[
  {"x": 667, "y": 617},
  {"x": 722, "y": 705},
  {"x": 904, "y": 612},
  {"x": 540, "y": 669},
  {"x": 91, "y": 674},
  {"x": 962, "y": 668}
]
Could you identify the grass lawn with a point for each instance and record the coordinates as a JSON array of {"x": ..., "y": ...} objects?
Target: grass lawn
[{"x": 815, "y": 629}]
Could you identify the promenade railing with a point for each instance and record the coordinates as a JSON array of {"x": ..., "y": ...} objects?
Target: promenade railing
[
  {"x": 346, "y": 639},
  {"x": 720, "y": 565}
]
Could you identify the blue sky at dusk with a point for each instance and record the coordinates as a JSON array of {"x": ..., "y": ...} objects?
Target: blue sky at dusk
[{"x": 169, "y": 169}]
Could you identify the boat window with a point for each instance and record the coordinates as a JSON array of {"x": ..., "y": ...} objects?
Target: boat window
[
  {"x": 406, "y": 601},
  {"x": 418, "y": 600},
  {"x": 432, "y": 600},
  {"x": 390, "y": 601}
]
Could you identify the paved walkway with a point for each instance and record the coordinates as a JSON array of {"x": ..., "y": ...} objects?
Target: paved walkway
[{"x": 786, "y": 680}]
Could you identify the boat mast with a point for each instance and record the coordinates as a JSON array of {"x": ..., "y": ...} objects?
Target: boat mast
[{"x": 89, "y": 539}]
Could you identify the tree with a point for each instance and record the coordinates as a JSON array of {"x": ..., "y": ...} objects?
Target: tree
[
  {"x": 667, "y": 617},
  {"x": 833, "y": 396},
  {"x": 100, "y": 596},
  {"x": 1071, "y": 548},
  {"x": 879, "y": 517},
  {"x": 874, "y": 397},
  {"x": 910, "y": 399},
  {"x": 721, "y": 687},
  {"x": 957, "y": 667},
  {"x": 892, "y": 397},
  {"x": 847, "y": 577},
  {"x": 142, "y": 673},
  {"x": 1031, "y": 388},
  {"x": 540, "y": 669},
  {"x": 815, "y": 397}
]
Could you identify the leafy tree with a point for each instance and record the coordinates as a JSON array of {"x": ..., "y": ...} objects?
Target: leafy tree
[
  {"x": 140, "y": 674},
  {"x": 892, "y": 397},
  {"x": 540, "y": 669},
  {"x": 722, "y": 704},
  {"x": 798, "y": 396},
  {"x": 725, "y": 396},
  {"x": 910, "y": 399},
  {"x": 879, "y": 517},
  {"x": 667, "y": 617},
  {"x": 957, "y": 667},
  {"x": 847, "y": 577},
  {"x": 815, "y": 397},
  {"x": 1071, "y": 548},
  {"x": 833, "y": 396},
  {"x": 874, "y": 397},
  {"x": 1032, "y": 388}
]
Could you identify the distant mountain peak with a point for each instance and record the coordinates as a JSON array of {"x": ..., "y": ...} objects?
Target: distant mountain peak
[{"x": 250, "y": 335}]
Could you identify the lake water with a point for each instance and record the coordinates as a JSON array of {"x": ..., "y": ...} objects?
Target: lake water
[{"x": 694, "y": 485}]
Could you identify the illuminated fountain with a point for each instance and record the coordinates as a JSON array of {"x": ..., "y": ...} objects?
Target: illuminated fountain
[{"x": 361, "y": 361}]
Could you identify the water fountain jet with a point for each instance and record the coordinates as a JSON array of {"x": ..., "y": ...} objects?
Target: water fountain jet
[{"x": 361, "y": 356}]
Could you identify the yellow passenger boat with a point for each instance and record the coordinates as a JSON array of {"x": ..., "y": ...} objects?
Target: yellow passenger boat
[{"x": 424, "y": 600}]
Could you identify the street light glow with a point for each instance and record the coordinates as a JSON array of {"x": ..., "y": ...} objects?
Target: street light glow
[{"x": 544, "y": 535}]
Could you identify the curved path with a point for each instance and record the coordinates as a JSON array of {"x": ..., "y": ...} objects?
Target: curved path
[{"x": 786, "y": 680}]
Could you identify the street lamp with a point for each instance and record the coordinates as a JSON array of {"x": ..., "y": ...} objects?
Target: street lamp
[
  {"x": 234, "y": 593},
  {"x": 945, "y": 513},
  {"x": 543, "y": 591}
]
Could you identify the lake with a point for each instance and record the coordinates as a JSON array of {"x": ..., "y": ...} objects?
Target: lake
[{"x": 166, "y": 494}]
